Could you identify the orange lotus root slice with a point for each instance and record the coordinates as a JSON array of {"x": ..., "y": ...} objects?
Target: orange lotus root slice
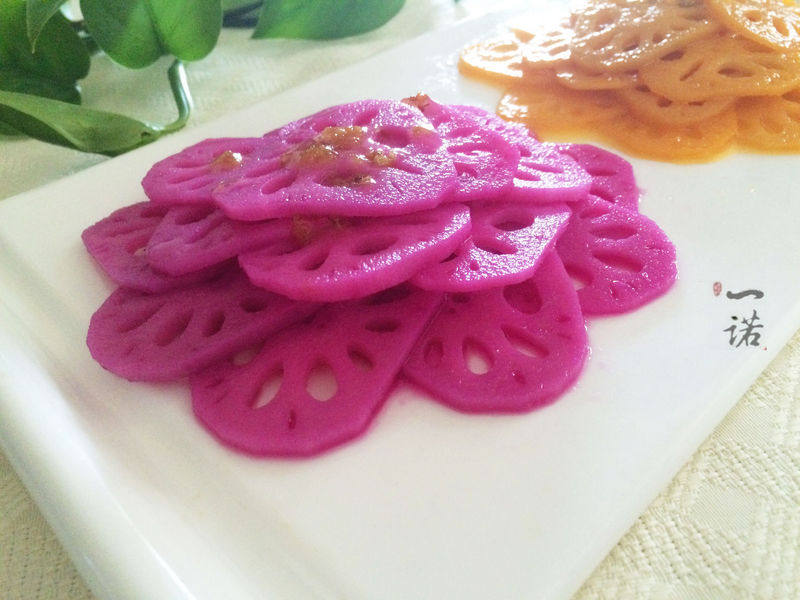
[
  {"x": 697, "y": 142},
  {"x": 622, "y": 34},
  {"x": 772, "y": 22},
  {"x": 546, "y": 46},
  {"x": 497, "y": 59},
  {"x": 722, "y": 66},
  {"x": 579, "y": 78},
  {"x": 770, "y": 123},
  {"x": 555, "y": 110},
  {"x": 655, "y": 108}
]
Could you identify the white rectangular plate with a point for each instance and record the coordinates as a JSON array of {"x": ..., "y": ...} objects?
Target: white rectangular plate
[{"x": 430, "y": 504}]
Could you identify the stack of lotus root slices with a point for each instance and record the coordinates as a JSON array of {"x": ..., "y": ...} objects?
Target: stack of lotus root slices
[{"x": 674, "y": 80}]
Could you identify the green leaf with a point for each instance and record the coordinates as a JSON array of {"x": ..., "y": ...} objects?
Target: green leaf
[
  {"x": 60, "y": 54},
  {"x": 16, "y": 81},
  {"x": 74, "y": 126},
  {"x": 323, "y": 19},
  {"x": 8, "y": 130},
  {"x": 136, "y": 32},
  {"x": 38, "y": 14}
]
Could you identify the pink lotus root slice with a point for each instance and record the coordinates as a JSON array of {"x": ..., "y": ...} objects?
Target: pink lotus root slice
[
  {"x": 360, "y": 345},
  {"x": 485, "y": 162},
  {"x": 118, "y": 244},
  {"x": 508, "y": 349},
  {"x": 620, "y": 257},
  {"x": 544, "y": 173},
  {"x": 190, "y": 238},
  {"x": 515, "y": 133},
  {"x": 612, "y": 175},
  {"x": 190, "y": 176},
  {"x": 162, "y": 337},
  {"x": 507, "y": 243},
  {"x": 353, "y": 258},
  {"x": 368, "y": 158}
]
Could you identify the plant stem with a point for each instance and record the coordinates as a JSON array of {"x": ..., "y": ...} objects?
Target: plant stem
[
  {"x": 90, "y": 44},
  {"x": 180, "y": 91}
]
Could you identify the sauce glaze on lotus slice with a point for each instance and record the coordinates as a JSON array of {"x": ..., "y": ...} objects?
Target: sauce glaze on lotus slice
[{"x": 367, "y": 158}]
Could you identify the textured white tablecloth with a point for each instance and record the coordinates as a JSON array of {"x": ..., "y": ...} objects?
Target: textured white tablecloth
[{"x": 727, "y": 527}]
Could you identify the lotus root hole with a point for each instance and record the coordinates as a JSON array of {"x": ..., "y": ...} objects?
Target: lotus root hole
[
  {"x": 278, "y": 182},
  {"x": 153, "y": 212},
  {"x": 476, "y": 358},
  {"x": 735, "y": 73},
  {"x": 513, "y": 223},
  {"x": 183, "y": 177},
  {"x": 284, "y": 247},
  {"x": 243, "y": 357},
  {"x": 673, "y": 56},
  {"x": 196, "y": 184},
  {"x": 527, "y": 175},
  {"x": 467, "y": 148},
  {"x": 433, "y": 353},
  {"x": 619, "y": 261},
  {"x": 264, "y": 167},
  {"x": 321, "y": 382},
  {"x": 319, "y": 124},
  {"x": 214, "y": 324},
  {"x": 692, "y": 70},
  {"x": 620, "y": 290},
  {"x": 360, "y": 359},
  {"x": 780, "y": 25},
  {"x": 139, "y": 319},
  {"x": 366, "y": 117},
  {"x": 188, "y": 217},
  {"x": 463, "y": 169},
  {"x": 545, "y": 167},
  {"x": 495, "y": 246},
  {"x": 614, "y": 231},
  {"x": 315, "y": 261},
  {"x": 253, "y": 304},
  {"x": 269, "y": 389},
  {"x": 601, "y": 193},
  {"x": 600, "y": 171},
  {"x": 524, "y": 344},
  {"x": 213, "y": 382},
  {"x": 580, "y": 277},
  {"x": 395, "y": 294},
  {"x": 396, "y": 137},
  {"x": 382, "y": 325},
  {"x": 523, "y": 297},
  {"x": 418, "y": 218},
  {"x": 374, "y": 244},
  {"x": 173, "y": 329},
  {"x": 450, "y": 258},
  {"x": 594, "y": 212},
  {"x": 137, "y": 248}
]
